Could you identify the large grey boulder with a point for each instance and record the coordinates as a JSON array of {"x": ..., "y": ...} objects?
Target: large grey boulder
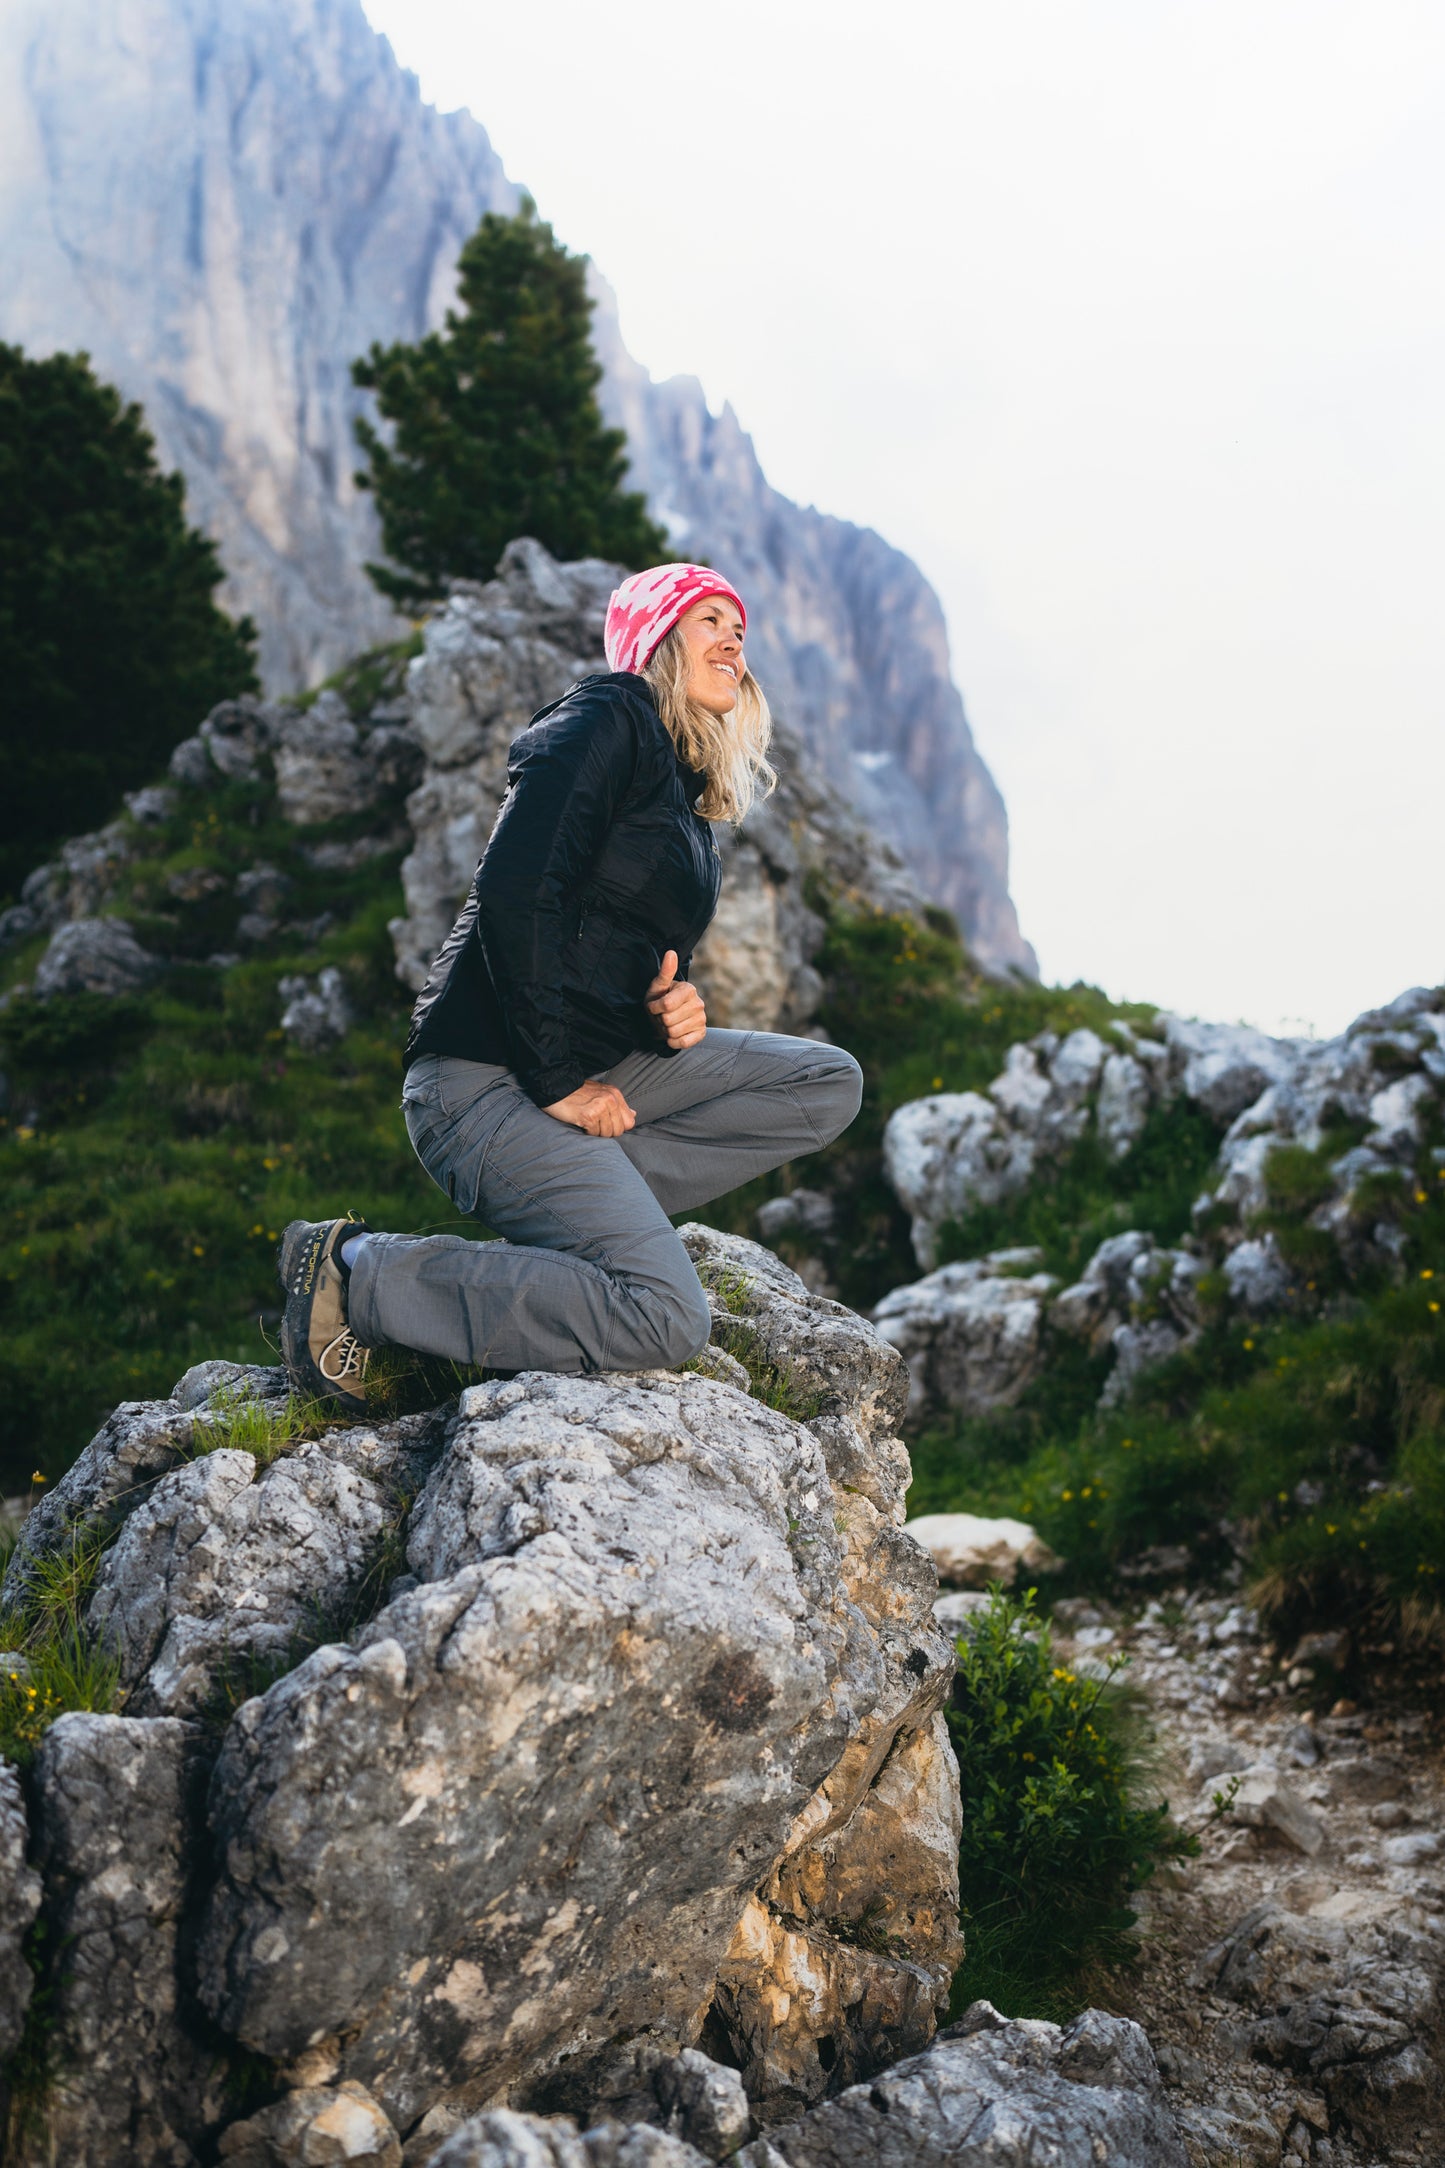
[
  {"x": 994, "y": 2094},
  {"x": 94, "y": 956},
  {"x": 225, "y": 1563},
  {"x": 647, "y": 1738},
  {"x": 522, "y": 1816},
  {"x": 134, "y": 2076},
  {"x": 19, "y": 1903},
  {"x": 971, "y": 1334}
]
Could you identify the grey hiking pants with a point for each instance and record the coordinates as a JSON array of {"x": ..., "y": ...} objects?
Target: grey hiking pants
[{"x": 590, "y": 1274}]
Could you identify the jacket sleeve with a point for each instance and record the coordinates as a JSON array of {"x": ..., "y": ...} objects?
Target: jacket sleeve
[{"x": 568, "y": 776}]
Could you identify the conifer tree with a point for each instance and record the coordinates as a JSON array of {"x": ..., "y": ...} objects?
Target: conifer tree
[
  {"x": 111, "y": 644},
  {"x": 495, "y": 426}
]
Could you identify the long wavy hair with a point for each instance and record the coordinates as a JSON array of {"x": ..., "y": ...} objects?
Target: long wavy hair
[{"x": 730, "y": 750}]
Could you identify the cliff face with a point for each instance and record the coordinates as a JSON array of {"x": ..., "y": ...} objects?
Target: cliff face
[{"x": 225, "y": 205}]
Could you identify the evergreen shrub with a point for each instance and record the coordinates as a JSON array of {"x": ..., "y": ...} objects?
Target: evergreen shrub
[{"x": 1058, "y": 1827}]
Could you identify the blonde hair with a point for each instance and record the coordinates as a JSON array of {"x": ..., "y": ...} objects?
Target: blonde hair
[{"x": 730, "y": 751}]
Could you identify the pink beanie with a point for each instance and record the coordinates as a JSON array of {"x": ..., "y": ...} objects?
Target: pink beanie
[{"x": 644, "y": 609}]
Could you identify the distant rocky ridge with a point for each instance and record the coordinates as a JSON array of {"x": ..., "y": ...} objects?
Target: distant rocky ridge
[{"x": 225, "y": 205}]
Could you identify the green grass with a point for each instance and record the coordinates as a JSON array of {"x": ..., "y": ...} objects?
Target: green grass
[
  {"x": 59, "y": 1667},
  {"x": 1063, "y": 1821}
]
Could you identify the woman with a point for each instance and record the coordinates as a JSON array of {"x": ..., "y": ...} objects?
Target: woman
[{"x": 561, "y": 1080}]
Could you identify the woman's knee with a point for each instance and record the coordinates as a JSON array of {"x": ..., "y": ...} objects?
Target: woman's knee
[
  {"x": 661, "y": 1329},
  {"x": 838, "y": 1091}
]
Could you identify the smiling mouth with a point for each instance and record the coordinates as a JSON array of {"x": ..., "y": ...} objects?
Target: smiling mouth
[{"x": 727, "y": 670}]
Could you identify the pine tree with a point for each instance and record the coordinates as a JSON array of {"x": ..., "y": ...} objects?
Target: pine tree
[
  {"x": 496, "y": 430},
  {"x": 111, "y": 644}
]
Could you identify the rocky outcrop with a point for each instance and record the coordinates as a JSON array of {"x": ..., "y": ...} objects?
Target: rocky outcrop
[
  {"x": 972, "y": 1333},
  {"x": 298, "y": 201},
  {"x": 489, "y": 660},
  {"x": 979, "y": 1332},
  {"x": 987, "y": 2094},
  {"x": 635, "y": 1755}
]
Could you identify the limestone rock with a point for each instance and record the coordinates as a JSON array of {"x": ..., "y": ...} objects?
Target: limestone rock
[
  {"x": 704, "y": 2103},
  {"x": 1353, "y": 2007},
  {"x": 325, "y": 769},
  {"x": 971, "y": 1334},
  {"x": 231, "y": 1382},
  {"x": 1225, "y": 1066},
  {"x": 107, "y": 1481},
  {"x": 807, "y": 1213},
  {"x": 222, "y": 1563},
  {"x": 315, "y": 2128},
  {"x": 523, "y": 1811},
  {"x": 504, "y": 2139},
  {"x": 317, "y": 1012},
  {"x": 1125, "y": 1098},
  {"x": 94, "y": 956},
  {"x": 1265, "y": 1800},
  {"x": 970, "y": 1550},
  {"x": 135, "y": 2075},
  {"x": 1257, "y": 1276},
  {"x": 994, "y": 2094},
  {"x": 19, "y": 1903},
  {"x": 1125, "y": 1273}
]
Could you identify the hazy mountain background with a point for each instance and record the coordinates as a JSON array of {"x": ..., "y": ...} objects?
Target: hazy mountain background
[{"x": 224, "y": 205}]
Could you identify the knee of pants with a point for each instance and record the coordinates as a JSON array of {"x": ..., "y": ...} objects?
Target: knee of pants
[
  {"x": 665, "y": 1333},
  {"x": 839, "y": 1087}
]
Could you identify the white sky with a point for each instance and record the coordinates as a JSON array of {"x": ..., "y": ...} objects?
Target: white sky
[{"x": 1126, "y": 319}]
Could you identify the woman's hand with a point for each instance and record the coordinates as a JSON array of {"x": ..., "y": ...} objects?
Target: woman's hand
[
  {"x": 599, "y": 1109},
  {"x": 676, "y": 1007}
]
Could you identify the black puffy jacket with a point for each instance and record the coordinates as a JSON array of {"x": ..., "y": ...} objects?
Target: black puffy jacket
[{"x": 597, "y": 864}]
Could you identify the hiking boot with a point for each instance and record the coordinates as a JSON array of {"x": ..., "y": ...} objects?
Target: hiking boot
[{"x": 322, "y": 1354}]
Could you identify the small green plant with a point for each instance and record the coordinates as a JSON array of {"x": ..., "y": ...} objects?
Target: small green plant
[
  {"x": 731, "y": 1286},
  {"x": 56, "y": 1665},
  {"x": 263, "y": 1428},
  {"x": 1054, "y": 1768}
]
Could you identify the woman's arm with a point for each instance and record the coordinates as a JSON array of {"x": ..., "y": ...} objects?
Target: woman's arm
[{"x": 569, "y": 774}]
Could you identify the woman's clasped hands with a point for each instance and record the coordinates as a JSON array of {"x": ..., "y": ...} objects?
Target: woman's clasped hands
[{"x": 681, "y": 1020}]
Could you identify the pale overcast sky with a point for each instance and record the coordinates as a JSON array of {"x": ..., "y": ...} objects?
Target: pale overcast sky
[{"x": 1127, "y": 321}]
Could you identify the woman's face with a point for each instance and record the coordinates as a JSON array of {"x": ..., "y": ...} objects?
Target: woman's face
[{"x": 713, "y": 631}]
